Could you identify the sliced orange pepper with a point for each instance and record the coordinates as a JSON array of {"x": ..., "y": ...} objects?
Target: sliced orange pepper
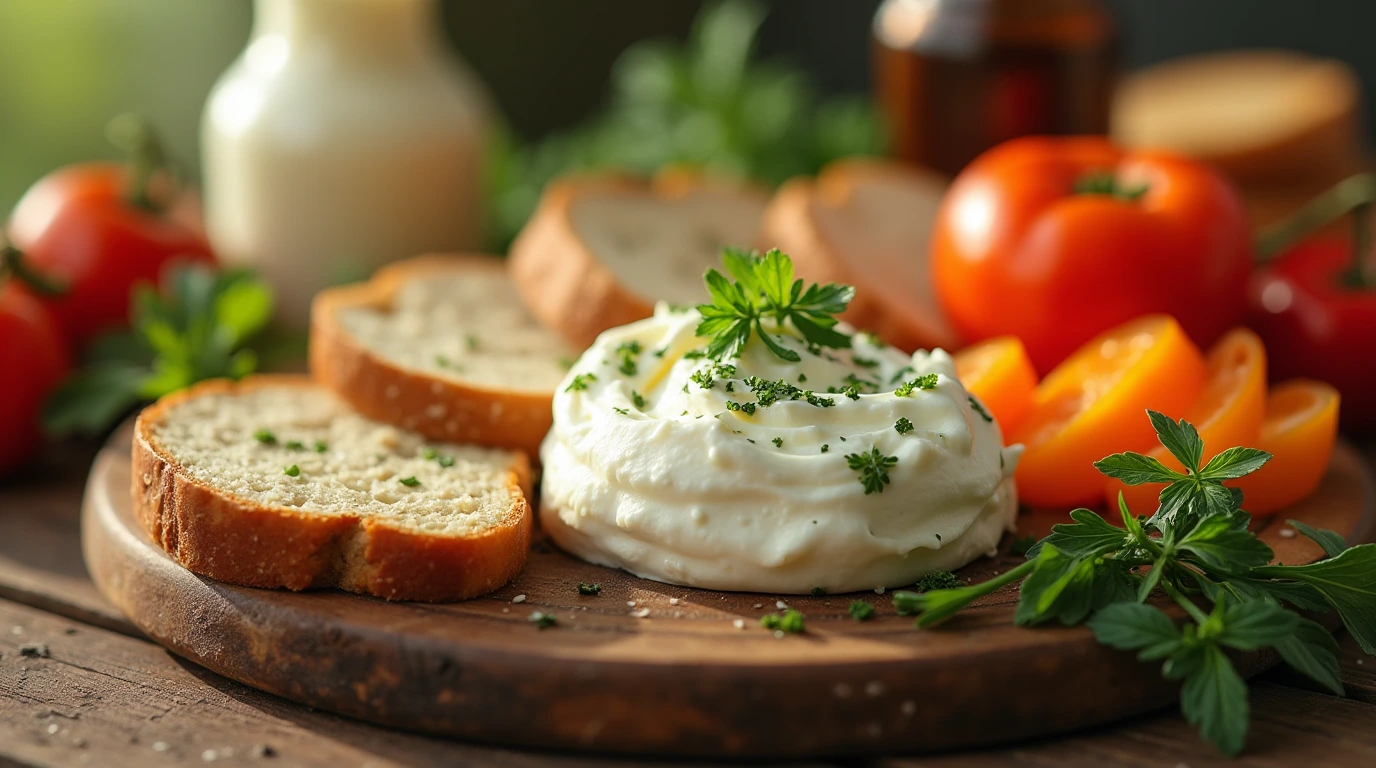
[
  {"x": 1228, "y": 413},
  {"x": 1095, "y": 404},
  {"x": 1300, "y": 429},
  {"x": 1000, "y": 374}
]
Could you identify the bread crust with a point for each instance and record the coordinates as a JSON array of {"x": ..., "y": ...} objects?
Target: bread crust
[
  {"x": 438, "y": 407},
  {"x": 561, "y": 281},
  {"x": 790, "y": 225},
  {"x": 213, "y": 533}
]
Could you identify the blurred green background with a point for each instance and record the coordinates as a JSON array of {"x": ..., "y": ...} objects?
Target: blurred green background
[{"x": 68, "y": 65}]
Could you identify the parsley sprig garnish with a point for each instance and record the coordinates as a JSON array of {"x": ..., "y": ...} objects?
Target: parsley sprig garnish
[
  {"x": 766, "y": 289},
  {"x": 1202, "y": 557}
]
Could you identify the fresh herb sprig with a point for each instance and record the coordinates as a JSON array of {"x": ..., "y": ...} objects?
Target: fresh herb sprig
[
  {"x": 1197, "y": 550},
  {"x": 197, "y": 327},
  {"x": 765, "y": 289}
]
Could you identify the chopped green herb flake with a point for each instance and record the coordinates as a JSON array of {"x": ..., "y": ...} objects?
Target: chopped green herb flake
[
  {"x": 873, "y": 468},
  {"x": 580, "y": 382},
  {"x": 320, "y": 446},
  {"x": 921, "y": 382},
  {"x": 903, "y": 426},
  {"x": 445, "y": 460},
  {"x": 585, "y": 588},
  {"x": 864, "y": 362},
  {"x": 746, "y": 408},
  {"x": 565, "y": 362},
  {"x": 265, "y": 436},
  {"x": 543, "y": 620},
  {"x": 628, "y": 351},
  {"x": 938, "y": 580},
  {"x": 295, "y": 445},
  {"x": 703, "y": 378},
  {"x": 638, "y": 400},
  {"x": 778, "y": 442},
  {"x": 471, "y": 341},
  {"x": 429, "y": 453},
  {"x": 861, "y": 610},
  {"x": 825, "y": 447},
  {"x": 802, "y": 378},
  {"x": 409, "y": 482},
  {"x": 900, "y": 374},
  {"x": 622, "y": 411},
  {"x": 818, "y": 591},
  {"x": 292, "y": 471},
  {"x": 694, "y": 354},
  {"x": 791, "y": 621}
]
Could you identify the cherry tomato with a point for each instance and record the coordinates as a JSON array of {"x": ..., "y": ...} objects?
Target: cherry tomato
[
  {"x": 1056, "y": 240},
  {"x": 34, "y": 359},
  {"x": 1319, "y": 322}
]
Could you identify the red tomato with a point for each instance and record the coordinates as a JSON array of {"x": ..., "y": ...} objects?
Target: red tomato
[
  {"x": 1056, "y": 240},
  {"x": 1319, "y": 325},
  {"x": 76, "y": 226},
  {"x": 34, "y": 360}
]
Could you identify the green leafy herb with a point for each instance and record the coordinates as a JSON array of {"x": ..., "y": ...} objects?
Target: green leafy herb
[
  {"x": 1196, "y": 548},
  {"x": 861, "y": 610},
  {"x": 628, "y": 352},
  {"x": 637, "y": 400},
  {"x": 790, "y": 621},
  {"x": 409, "y": 482},
  {"x": 197, "y": 327},
  {"x": 818, "y": 591},
  {"x": 778, "y": 442},
  {"x": 294, "y": 445},
  {"x": 580, "y": 382},
  {"x": 1021, "y": 544},
  {"x": 471, "y": 341},
  {"x": 585, "y": 588},
  {"x": 746, "y": 408},
  {"x": 825, "y": 447},
  {"x": 768, "y": 120},
  {"x": 873, "y": 468},
  {"x": 543, "y": 620},
  {"x": 765, "y": 289},
  {"x": 622, "y": 411},
  {"x": 320, "y": 446},
  {"x": 292, "y": 471},
  {"x": 265, "y": 436},
  {"x": 864, "y": 362},
  {"x": 903, "y": 426},
  {"x": 927, "y": 381}
]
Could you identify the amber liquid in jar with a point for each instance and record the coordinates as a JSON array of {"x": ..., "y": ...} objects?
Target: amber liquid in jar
[{"x": 956, "y": 77}]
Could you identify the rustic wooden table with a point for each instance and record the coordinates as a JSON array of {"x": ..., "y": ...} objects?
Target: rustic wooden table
[{"x": 79, "y": 685}]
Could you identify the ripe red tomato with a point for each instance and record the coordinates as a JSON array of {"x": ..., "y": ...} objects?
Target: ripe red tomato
[
  {"x": 34, "y": 360},
  {"x": 1056, "y": 240},
  {"x": 77, "y": 226}
]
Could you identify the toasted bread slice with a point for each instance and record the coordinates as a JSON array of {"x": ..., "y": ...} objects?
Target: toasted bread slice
[
  {"x": 1257, "y": 114},
  {"x": 275, "y": 482},
  {"x": 441, "y": 345},
  {"x": 867, "y": 223},
  {"x": 601, "y": 250}
]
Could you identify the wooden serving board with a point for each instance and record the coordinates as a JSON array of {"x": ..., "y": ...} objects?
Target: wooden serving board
[{"x": 671, "y": 674}]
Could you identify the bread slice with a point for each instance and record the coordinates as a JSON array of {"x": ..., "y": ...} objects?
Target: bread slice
[
  {"x": 867, "y": 223},
  {"x": 275, "y": 482},
  {"x": 441, "y": 345},
  {"x": 1256, "y": 114},
  {"x": 601, "y": 250}
]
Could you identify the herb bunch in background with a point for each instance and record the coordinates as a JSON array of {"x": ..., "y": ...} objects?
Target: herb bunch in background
[
  {"x": 1197, "y": 550},
  {"x": 705, "y": 103},
  {"x": 196, "y": 328}
]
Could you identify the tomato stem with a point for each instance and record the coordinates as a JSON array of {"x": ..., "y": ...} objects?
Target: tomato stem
[
  {"x": 1104, "y": 183},
  {"x": 1353, "y": 195},
  {"x": 12, "y": 264},
  {"x": 145, "y": 156}
]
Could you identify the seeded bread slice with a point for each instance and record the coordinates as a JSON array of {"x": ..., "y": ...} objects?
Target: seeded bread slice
[
  {"x": 868, "y": 223},
  {"x": 601, "y": 250},
  {"x": 441, "y": 345},
  {"x": 275, "y": 482}
]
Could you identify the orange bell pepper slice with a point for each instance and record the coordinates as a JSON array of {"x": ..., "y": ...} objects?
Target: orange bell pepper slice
[
  {"x": 1000, "y": 374},
  {"x": 1299, "y": 432},
  {"x": 1228, "y": 412},
  {"x": 1094, "y": 404}
]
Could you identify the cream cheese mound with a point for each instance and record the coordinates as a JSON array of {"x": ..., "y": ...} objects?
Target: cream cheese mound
[{"x": 657, "y": 465}]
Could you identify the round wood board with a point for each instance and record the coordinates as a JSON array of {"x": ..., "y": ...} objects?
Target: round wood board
[{"x": 680, "y": 680}]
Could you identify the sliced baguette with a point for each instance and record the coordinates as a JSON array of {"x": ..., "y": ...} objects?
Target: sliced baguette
[
  {"x": 220, "y": 501},
  {"x": 867, "y": 223},
  {"x": 441, "y": 345},
  {"x": 601, "y": 250},
  {"x": 1255, "y": 114}
]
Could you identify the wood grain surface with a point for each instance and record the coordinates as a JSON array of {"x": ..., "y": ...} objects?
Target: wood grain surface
[{"x": 647, "y": 668}]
